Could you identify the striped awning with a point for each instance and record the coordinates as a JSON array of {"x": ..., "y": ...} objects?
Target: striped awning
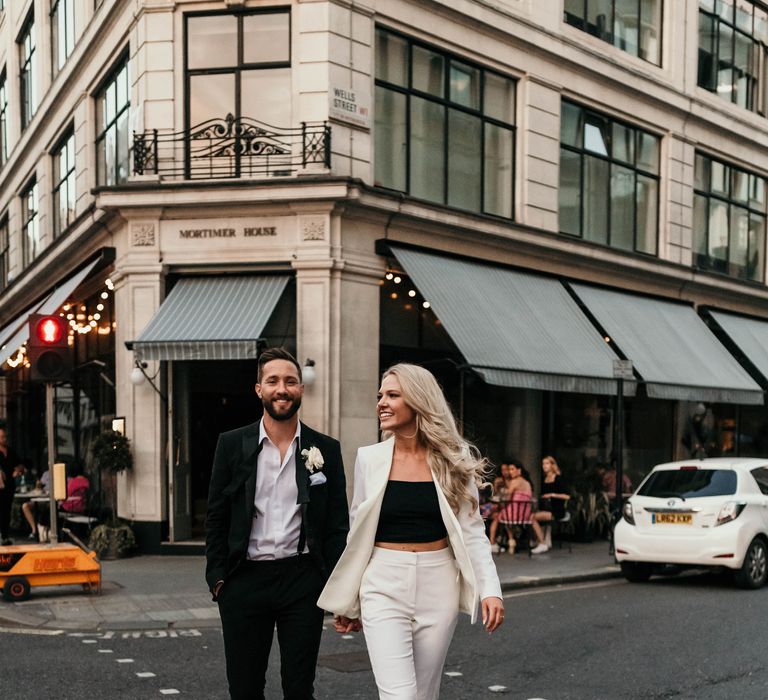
[
  {"x": 211, "y": 318},
  {"x": 17, "y": 332},
  {"x": 515, "y": 328},
  {"x": 750, "y": 335},
  {"x": 671, "y": 348}
]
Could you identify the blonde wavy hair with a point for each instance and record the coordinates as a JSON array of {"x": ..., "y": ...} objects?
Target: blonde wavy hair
[
  {"x": 555, "y": 465},
  {"x": 456, "y": 463}
]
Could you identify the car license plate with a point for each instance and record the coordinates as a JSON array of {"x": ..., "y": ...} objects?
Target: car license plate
[{"x": 671, "y": 518}]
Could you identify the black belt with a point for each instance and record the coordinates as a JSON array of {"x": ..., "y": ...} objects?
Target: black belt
[{"x": 276, "y": 563}]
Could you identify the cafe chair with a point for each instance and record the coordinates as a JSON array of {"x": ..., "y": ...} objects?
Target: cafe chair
[
  {"x": 555, "y": 529},
  {"x": 516, "y": 516}
]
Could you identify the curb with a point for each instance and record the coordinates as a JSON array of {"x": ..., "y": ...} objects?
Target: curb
[{"x": 539, "y": 582}]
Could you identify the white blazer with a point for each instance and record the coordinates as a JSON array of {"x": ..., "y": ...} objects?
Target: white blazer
[{"x": 466, "y": 534}]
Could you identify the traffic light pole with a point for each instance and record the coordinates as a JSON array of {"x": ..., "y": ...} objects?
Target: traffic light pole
[{"x": 54, "y": 531}]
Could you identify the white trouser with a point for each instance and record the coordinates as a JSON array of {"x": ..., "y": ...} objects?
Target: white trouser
[{"x": 409, "y": 603}]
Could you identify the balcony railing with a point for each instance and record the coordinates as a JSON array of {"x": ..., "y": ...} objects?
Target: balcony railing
[{"x": 232, "y": 148}]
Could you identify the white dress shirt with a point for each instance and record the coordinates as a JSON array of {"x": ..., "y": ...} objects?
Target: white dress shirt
[{"x": 277, "y": 518}]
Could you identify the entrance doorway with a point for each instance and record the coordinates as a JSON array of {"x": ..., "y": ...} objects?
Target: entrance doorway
[{"x": 210, "y": 397}]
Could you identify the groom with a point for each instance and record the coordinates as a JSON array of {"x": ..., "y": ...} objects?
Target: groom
[{"x": 277, "y": 523}]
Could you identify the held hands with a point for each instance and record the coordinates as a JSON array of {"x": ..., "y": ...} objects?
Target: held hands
[
  {"x": 493, "y": 613},
  {"x": 344, "y": 625}
]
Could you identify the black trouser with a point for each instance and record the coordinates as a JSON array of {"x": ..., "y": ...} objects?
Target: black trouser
[
  {"x": 6, "y": 503},
  {"x": 259, "y": 596}
]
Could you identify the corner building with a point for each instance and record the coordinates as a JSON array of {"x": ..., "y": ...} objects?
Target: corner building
[{"x": 513, "y": 193}]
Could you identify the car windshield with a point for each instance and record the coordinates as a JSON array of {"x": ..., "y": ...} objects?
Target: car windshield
[{"x": 689, "y": 483}]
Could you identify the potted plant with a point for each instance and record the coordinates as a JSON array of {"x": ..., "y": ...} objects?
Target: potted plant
[
  {"x": 111, "y": 454},
  {"x": 591, "y": 508}
]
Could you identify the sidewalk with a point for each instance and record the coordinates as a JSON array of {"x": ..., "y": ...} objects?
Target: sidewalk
[{"x": 158, "y": 592}]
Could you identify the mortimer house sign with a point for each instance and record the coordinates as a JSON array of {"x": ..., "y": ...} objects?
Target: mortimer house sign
[{"x": 245, "y": 232}]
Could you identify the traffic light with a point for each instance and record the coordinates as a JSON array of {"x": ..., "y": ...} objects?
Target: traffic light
[{"x": 50, "y": 357}]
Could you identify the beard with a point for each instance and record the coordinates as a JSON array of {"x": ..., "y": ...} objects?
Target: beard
[{"x": 285, "y": 414}]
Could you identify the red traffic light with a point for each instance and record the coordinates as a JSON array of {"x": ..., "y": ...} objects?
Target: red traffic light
[
  {"x": 49, "y": 330},
  {"x": 48, "y": 352}
]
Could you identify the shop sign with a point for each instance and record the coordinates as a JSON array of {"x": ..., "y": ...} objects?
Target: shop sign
[
  {"x": 226, "y": 232},
  {"x": 350, "y": 106}
]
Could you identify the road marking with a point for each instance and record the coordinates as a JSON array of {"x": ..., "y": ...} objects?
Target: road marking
[
  {"x": 25, "y": 630},
  {"x": 347, "y": 636},
  {"x": 145, "y": 674},
  {"x": 565, "y": 587},
  {"x": 453, "y": 674},
  {"x": 89, "y": 641},
  {"x": 169, "y": 691},
  {"x": 105, "y": 651},
  {"x": 124, "y": 661},
  {"x": 497, "y": 688}
]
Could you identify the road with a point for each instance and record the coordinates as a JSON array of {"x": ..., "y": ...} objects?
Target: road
[{"x": 694, "y": 636}]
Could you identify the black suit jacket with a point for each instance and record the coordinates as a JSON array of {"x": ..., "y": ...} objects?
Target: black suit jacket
[{"x": 324, "y": 512}]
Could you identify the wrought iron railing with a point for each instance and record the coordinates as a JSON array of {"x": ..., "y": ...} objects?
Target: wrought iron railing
[{"x": 232, "y": 148}]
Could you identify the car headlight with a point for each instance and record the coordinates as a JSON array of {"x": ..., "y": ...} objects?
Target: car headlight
[
  {"x": 730, "y": 511},
  {"x": 627, "y": 513}
]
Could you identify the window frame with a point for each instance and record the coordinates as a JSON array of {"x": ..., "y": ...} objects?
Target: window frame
[
  {"x": 729, "y": 201},
  {"x": 235, "y": 70},
  {"x": 3, "y": 117},
  {"x": 446, "y": 105},
  {"x": 67, "y": 183},
  {"x": 100, "y": 95},
  {"x": 609, "y": 37},
  {"x": 757, "y": 95},
  {"x": 68, "y": 6},
  {"x": 612, "y": 161},
  {"x": 27, "y": 78},
  {"x": 30, "y": 217},
  {"x": 4, "y": 251}
]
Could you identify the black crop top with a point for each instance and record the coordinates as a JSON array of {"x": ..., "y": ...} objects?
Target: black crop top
[{"x": 410, "y": 512}]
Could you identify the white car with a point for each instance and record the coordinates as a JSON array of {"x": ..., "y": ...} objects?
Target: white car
[{"x": 698, "y": 513}]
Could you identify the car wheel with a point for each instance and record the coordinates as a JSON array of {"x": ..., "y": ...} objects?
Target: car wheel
[
  {"x": 16, "y": 588},
  {"x": 754, "y": 570},
  {"x": 636, "y": 572}
]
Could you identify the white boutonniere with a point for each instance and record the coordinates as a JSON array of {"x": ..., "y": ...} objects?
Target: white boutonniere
[{"x": 313, "y": 459}]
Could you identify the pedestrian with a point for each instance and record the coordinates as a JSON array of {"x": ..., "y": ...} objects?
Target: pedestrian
[
  {"x": 9, "y": 461},
  {"x": 276, "y": 525},
  {"x": 417, "y": 553}
]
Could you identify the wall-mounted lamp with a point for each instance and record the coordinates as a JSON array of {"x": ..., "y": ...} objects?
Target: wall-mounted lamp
[
  {"x": 137, "y": 373},
  {"x": 308, "y": 372},
  {"x": 118, "y": 425}
]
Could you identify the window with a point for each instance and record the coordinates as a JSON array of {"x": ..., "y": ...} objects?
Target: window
[
  {"x": 3, "y": 119},
  {"x": 632, "y": 25},
  {"x": 4, "y": 257},
  {"x": 689, "y": 483},
  {"x": 733, "y": 51},
  {"x": 62, "y": 32},
  {"x": 30, "y": 223},
  {"x": 112, "y": 140},
  {"x": 27, "y": 75},
  {"x": 609, "y": 181},
  {"x": 728, "y": 219},
  {"x": 239, "y": 65},
  {"x": 761, "y": 477},
  {"x": 444, "y": 128},
  {"x": 64, "y": 189}
]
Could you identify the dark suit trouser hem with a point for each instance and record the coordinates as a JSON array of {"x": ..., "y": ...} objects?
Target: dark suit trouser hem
[{"x": 258, "y": 598}]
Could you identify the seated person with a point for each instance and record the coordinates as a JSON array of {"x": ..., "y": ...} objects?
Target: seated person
[
  {"x": 23, "y": 477},
  {"x": 517, "y": 510},
  {"x": 39, "y": 512},
  {"x": 499, "y": 498},
  {"x": 551, "y": 504}
]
